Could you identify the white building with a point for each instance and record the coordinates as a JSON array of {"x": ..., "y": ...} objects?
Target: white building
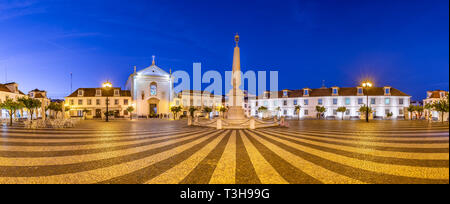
[
  {"x": 10, "y": 91},
  {"x": 91, "y": 102},
  {"x": 151, "y": 90},
  {"x": 382, "y": 100},
  {"x": 434, "y": 96}
]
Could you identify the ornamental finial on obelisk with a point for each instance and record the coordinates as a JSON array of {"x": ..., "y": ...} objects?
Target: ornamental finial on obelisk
[
  {"x": 153, "y": 62},
  {"x": 236, "y": 38}
]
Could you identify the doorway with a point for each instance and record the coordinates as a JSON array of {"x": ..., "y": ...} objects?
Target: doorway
[{"x": 153, "y": 110}]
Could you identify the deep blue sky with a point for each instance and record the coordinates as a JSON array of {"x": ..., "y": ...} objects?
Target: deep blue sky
[{"x": 404, "y": 44}]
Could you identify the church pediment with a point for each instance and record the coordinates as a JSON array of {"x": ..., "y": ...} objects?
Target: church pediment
[{"x": 153, "y": 71}]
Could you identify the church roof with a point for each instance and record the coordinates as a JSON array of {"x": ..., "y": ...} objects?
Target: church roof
[{"x": 153, "y": 70}]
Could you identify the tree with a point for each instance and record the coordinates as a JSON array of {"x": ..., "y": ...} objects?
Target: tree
[
  {"x": 192, "y": 111},
  {"x": 442, "y": 106},
  {"x": 297, "y": 110},
  {"x": 320, "y": 110},
  {"x": 207, "y": 110},
  {"x": 429, "y": 107},
  {"x": 55, "y": 107},
  {"x": 389, "y": 115},
  {"x": 30, "y": 104},
  {"x": 223, "y": 110},
  {"x": 411, "y": 109},
  {"x": 278, "y": 109},
  {"x": 419, "y": 111},
  {"x": 342, "y": 110},
  {"x": 11, "y": 106},
  {"x": 85, "y": 111},
  {"x": 263, "y": 110},
  {"x": 130, "y": 110},
  {"x": 175, "y": 110},
  {"x": 363, "y": 110}
]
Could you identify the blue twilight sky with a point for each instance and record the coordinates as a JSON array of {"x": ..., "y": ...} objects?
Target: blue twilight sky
[{"x": 404, "y": 44}]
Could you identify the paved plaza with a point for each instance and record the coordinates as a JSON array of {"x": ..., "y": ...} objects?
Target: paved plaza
[{"x": 170, "y": 152}]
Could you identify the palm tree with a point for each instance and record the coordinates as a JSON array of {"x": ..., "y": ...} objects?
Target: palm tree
[
  {"x": 429, "y": 107},
  {"x": 192, "y": 111},
  {"x": 320, "y": 110},
  {"x": 130, "y": 110},
  {"x": 175, "y": 110},
  {"x": 419, "y": 111},
  {"x": 11, "y": 106},
  {"x": 85, "y": 111},
  {"x": 342, "y": 110},
  {"x": 30, "y": 104},
  {"x": 263, "y": 110},
  {"x": 363, "y": 110},
  {"x": 278, "y": 109},
  {"x": 411, "y": 109},
  {"x": 223, "y": 110},
  {"x": 298, "y": 108},
  {"x": 442, "y": 106},
  {"x": 208, "y": 111}
]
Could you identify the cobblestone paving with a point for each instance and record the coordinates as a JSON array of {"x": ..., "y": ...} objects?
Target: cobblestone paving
[{"x": 170, "y": 152}]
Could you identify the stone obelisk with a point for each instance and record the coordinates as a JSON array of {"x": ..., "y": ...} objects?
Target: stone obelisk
[{"x": 236, "y": 95}]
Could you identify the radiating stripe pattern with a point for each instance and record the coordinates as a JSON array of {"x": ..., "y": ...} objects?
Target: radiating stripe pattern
[{"x": 315, "y": 152}]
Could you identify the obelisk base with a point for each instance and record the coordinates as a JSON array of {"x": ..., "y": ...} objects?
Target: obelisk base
[{"x": 236, "y": 113}]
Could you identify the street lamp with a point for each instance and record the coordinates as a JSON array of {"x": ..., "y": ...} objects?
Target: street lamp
[
  {"x": 367, "y": 85},
  {"x": 107, "y": 85}
]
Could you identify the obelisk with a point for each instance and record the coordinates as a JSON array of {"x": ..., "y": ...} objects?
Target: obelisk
[{"x": 236, "y": 95}]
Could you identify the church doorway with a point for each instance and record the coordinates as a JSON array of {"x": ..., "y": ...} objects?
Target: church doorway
[{"x": 153, "y": 107}]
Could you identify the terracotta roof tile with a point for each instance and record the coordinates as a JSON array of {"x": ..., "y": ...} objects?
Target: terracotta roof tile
[{"x": 90, "y": 92}]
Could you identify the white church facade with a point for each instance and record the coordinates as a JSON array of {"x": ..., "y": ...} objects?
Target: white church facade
[{"x": 151, "y": 91}]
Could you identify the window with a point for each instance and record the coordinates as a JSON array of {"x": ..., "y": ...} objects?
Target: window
[
  {"x": 285, "y": 103},
  {"x": 275, "y": 103},
  {"x": 125, "y": 112},
  {"x": 360, "y": 101},
  {"x": 89, "y": 102},
  {"x": 266, "y": 103},
  {"x": 80, "y": 102},
  {"x": 387, "y": 91},
  {"x": 98, "y": 92},
  {"x": 125, "y": 102},
  {"x": 153, "y": 89},
  {"x": 347, "y": 101},
  {"x": 387, "y": 101},
  {"x": 32, "y": 95},
  {"x": 285, "y": 93},
  {"x": 335, "y": 101},
  {"x": 360, "y": 91},
  {"x": 306, "y": 102},
  {"x": 295, "y": 102},
  {"x": 116, "y": 102},
  {"x": 306, "y": 112},
  {"x": 347, "y": 112},
  {"x": 97, "y": 102},
  {"x": 72, "y": 102},
  {"x": 400, "y": 112},
  {"x": 373, "y": 101},
  {"x": 116, "y": 92},
  {"x": 285, "y": 112},
  {"x": 80, "y": 92},
  {"x": 320, "y": 101},
  {"x": 266, "y": 95},
  {"x": 401, "y": 101},
  {"x": 306, "y": 92},
  {"x": 335, "y": 91},
  {"x": 335, "y": 112}
]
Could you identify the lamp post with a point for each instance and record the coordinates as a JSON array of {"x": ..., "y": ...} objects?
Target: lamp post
[
  {"x": 367, "y": 85},
  {"x": 107, "y": 85}
]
